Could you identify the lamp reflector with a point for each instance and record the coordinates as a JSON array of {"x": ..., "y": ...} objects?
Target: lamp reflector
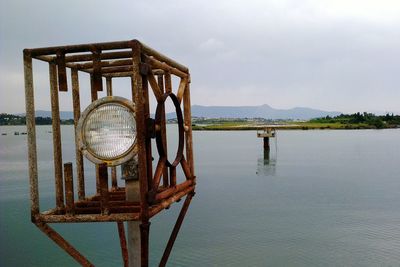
[{"x": 109, "y": 131}]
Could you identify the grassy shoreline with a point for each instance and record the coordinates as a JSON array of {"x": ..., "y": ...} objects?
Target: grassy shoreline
[{"x": 289, "y": 126}]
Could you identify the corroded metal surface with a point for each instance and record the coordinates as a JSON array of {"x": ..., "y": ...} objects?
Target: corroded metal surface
[
  {"x": 122, "y": 241},
  {"x": 69, "y": 189},
  {"x": 30, "y": 125},
  {"x": 112, "y": 60},
  {"x": 76, "y": 103},
  {"x": 57, "y": 153},
  {"x": 129, "y": 170}
]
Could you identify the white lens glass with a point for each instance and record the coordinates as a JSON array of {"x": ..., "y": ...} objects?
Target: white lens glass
[{"x": 110, "y": 131}]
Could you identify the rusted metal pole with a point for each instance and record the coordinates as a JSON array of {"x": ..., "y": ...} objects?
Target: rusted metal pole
[
  {"x": 105, "y": 55},
  {"x": 61, "y": 71},
  {"x": 103, "y": 182},
  {"x": 94, "y": 96},
  {"x": 77, "y": 113},
  {"x": 57, "y": 153},
  {"x": 157, "y": 175},
  {"x": 97, "y": 79},
  {"x": 122, "y": 241},
  {"x": 173, "y": 190},
  {"x": 140, "y": 105},
  {"x": 104, "y": 70},
  {"x": 118, "y": 74},
  {"x": 168, "y": 82},
  {"x": 144, "y": 242},
  {"x": 30, "y": 125},
  {"x": 154, "y": 85},
  {"x": 188, "y": 127},
  {"x": 109, "y": 86},
  {"x": 175, "y": 231},
  {"x": 111, "y": 63},
  {"x": 70, "y": 59},
  {"x": 181, "y": 89},
  {"x": 114, "y": 183},
  {"x": 133, "y": 91},
  {"x": 146, "y": 116},
  {"x": 80, "y": 48},
  {"x": 167, "y": 202},
  {"x": 163, "y": 58},
  {"x": 172, "y": 176},
  {"x": 93, "y": 89},
  {"x": 97, "y": 179},
  {"x": 59, "y": 240},
  {"x": 130, "y": 173},
  {"x": 41, "y": 53},
  {"x": 69, "y": 188},
  {"x": 186, "y": 169},
  {"x": 89, "y": 218},
  {"x": 162, "y": 65}
]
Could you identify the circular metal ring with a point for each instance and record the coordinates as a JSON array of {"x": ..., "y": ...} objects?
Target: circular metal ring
[{"x": 159, "y": 140}]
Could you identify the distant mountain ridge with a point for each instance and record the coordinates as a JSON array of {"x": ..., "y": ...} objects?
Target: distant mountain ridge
[{"x": 263, "y": 111}]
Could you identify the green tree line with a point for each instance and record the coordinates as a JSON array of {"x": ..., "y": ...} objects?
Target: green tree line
[
  {"x": 10, "y": 119},
  {"x": 379, "y": 122}
]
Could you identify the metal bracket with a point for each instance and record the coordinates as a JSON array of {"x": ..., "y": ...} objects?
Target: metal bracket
[{"x": 144, "y": 68}]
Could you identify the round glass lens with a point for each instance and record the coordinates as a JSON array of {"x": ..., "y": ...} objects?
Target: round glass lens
[{"x": 110, "y": 131}]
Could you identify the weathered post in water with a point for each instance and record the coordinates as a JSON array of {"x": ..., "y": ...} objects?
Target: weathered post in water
[
  {"x": 114, "y": 132},
  {"x": 266, "y": 134},
  {"x": 266, "y": 144}
]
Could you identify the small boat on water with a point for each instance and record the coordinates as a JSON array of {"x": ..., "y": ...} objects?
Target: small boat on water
[
  {"x": 3, "y": 133},
  {"x": 24, "y": 133},
  {"x": 16, "y": 133}
]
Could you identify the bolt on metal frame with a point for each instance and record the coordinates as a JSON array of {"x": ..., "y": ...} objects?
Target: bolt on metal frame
[{"x": 159, "y": 188}]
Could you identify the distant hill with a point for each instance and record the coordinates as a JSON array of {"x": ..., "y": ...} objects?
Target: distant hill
[
  {"x": 263, "y": 111},
  {"x": 64, "y": 115}
]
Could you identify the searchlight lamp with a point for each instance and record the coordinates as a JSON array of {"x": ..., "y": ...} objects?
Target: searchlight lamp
[{"x": 106, "y": 131}]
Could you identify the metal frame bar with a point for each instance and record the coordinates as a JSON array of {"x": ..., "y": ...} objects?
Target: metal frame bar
[
  {"x": 60, "y": 241},
  {"x": 47, "y": 53},
  {"x": 31, "y": 128},
  {"x": 114, "y": 182},
  {"x": 175, "y": 230},
  {"x": 77, "y": 113},
  {"x": 57, "y": 152}
]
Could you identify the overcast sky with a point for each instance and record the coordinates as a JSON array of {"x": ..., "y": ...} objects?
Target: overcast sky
[{"x": 333, "y": 55}]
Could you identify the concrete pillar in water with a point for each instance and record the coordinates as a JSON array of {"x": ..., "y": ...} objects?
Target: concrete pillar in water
[
  {"x": 130, "y": 174},
  {"x": 266, "y": 143}
]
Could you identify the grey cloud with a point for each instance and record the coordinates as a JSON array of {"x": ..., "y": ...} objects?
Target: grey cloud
[{"x": 282, "y": 53}]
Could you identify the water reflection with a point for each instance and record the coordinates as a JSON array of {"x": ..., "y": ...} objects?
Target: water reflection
[{"x": 266, "y": 163}]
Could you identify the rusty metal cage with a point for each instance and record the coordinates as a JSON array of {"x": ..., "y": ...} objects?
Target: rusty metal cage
[{"x": 158, "y": 188}]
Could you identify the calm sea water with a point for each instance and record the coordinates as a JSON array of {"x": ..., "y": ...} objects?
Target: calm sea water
[{"x": 325, "y": 198}]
